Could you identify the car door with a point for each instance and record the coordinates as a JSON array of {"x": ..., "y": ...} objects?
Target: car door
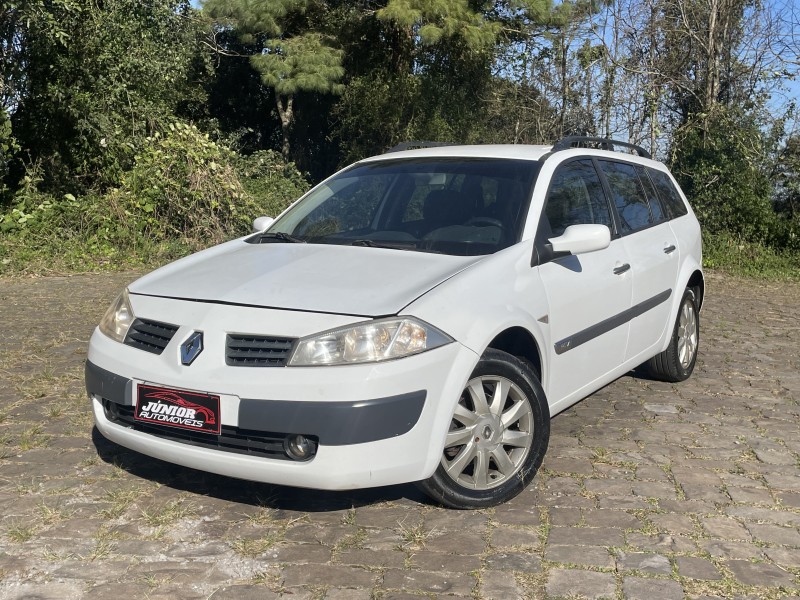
[
  {"x": 586, "y": 293},
  {"x": 653, "y": 252}
]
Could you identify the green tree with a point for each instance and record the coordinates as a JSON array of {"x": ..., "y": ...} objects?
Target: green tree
[
  {"x": 288, "y": 53},
  {"x": 722, "y": 171},
  {"x": 96, "y": 85}
]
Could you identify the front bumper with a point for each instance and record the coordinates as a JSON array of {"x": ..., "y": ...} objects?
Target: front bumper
[{"x": 376, "y": 424}]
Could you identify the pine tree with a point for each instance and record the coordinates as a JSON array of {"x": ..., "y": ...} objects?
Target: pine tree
[{"x": 288, "y": 54}]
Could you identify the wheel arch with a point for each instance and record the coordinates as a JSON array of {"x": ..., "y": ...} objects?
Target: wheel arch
[
  {"x": 521, "y": 343},
  {"x": 698, "y": 285}
]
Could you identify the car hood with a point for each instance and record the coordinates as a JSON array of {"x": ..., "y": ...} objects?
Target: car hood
[{"x": 358, "y": 281}]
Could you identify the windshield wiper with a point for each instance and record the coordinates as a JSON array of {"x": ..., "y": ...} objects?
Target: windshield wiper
[
  {"x": 374, "y": 244},
  {"x": 282, "y": 237}
]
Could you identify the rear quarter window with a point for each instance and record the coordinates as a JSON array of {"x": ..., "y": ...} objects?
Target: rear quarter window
[{"x": 669, "y": 195}]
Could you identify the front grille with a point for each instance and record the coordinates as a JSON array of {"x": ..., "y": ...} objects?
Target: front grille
[
  {"x": 230, "y": 439},
  {"x": 150, "y": 336},
  {"x": 257, "y": 350}
]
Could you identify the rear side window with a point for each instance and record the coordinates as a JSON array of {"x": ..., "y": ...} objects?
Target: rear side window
[
  {"x": 628, "y": 195},
  {"x": 670, "y": 197},
  {"x": 652, "y": 196},
  {"x": 576, "y": 197}
]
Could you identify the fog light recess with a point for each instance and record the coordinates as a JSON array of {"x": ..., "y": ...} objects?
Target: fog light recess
[{"x": 300, "y": 447}]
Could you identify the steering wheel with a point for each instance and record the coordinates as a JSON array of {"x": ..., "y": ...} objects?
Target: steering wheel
[{"x": 485, "y": 222}]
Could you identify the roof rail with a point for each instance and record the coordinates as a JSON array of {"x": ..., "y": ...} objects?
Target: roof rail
[
  {"x": 413, "y": 145},
  {"x": 578, "y": 141}
]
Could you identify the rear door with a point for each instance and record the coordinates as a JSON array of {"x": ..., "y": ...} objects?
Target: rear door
[
  {"x": 653, "y": 252},
  {"x": 585, "y": 293}
]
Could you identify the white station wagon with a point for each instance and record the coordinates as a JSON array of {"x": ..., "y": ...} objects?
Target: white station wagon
[{"x": 417, "y": 317}]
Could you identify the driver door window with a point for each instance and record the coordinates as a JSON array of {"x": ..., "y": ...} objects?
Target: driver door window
[{"x": 576, "y": 197}]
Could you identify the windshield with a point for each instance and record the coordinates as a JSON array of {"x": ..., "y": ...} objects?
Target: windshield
[{"x": 457, "y": 206}]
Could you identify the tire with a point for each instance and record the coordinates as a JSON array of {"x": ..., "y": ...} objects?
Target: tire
[
  {"x": 477, "y": 469},
  {"x": 676, "y": 363}
]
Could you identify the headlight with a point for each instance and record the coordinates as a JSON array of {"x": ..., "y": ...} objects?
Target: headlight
[
  {"x": 373, "y": 341},
  {"x": 118, "y": 318}
]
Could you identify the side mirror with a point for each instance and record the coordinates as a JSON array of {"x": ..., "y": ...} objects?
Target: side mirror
[
  {"x": 578, "y": 239},
  {"x": 261, "y": 223}
]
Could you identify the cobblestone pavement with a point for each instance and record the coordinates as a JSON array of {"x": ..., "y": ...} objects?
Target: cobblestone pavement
[{"x": 649, "y": 490}]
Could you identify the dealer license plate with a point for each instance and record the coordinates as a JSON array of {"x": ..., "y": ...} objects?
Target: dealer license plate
[{"x": 178, "y": 408}]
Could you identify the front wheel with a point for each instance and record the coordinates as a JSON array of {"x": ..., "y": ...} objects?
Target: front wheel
[
  {"x": 676, "y": 363},
  {"x": 498, "y": 436}
]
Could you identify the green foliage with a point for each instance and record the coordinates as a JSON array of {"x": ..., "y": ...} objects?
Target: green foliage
[
  {"x": 183, "y": 184},
  {"x": 438, "y": 19},
  {"x": 184, "y": 192},
  {"x": 300, "y": 64},
  {"x": 721, "y": 170},
  {"x": 270, "y": 181},
  {"x": 100, "y": 82},
  {"x": 724, "y": 252}
]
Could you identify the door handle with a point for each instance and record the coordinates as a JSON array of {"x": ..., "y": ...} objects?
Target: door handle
[
  {"x": 669, "y": 249},
  {"x": 622, "y": 269}
]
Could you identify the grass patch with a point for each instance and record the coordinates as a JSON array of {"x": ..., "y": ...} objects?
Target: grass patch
[
  {"x": 20, "y": 533},
  {"x": 724, "y": 253},
  {"x": 253, "y": 548},
  {"x": 167, "y": 514}
]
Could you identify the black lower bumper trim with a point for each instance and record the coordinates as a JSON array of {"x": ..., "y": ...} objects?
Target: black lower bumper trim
[{"x": 332, "y": 423}]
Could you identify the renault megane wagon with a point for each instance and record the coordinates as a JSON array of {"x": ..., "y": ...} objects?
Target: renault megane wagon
[{"x": 417, "y": 317}]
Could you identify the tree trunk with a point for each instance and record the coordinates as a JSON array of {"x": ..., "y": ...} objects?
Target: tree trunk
[{"x": 285, "y": 112}]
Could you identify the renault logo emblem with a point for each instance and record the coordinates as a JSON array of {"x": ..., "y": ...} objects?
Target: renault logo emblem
[{"x": 191, "y": 348}]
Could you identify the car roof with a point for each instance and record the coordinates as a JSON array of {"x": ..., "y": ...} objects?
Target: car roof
[
  {"x": 518, "y": 151},
  {"x": 507, "y": 151}
]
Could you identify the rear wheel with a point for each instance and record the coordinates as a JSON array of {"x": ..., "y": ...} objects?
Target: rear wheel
[
  {"x": 498, "y": 436},
  {"x": 676, "y": 363}
]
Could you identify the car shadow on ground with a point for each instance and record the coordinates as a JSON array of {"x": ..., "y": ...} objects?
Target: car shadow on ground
[{"x": 246, "y": 492}]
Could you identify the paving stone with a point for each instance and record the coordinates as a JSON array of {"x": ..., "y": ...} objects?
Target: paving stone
[
  {"x": 382, "y": 540},
  {"x": 570, "y": 465},
  {"x": 435, "y": 583},
  {"x": 758, "y": 514},
  {"x": 726, "y": 549},
  {"x": 623, "y": 503},
  {"x": 509, "y": 514},
  {"x": 654, "y": 489},
  {"x": 466, "y": 542},
  {"x": 342, "y": 576},
  {"x": 372, "y": 558},
  {"x": 510, "y": 537},
  {"x": 573, "y": 582},
  {"x": 761, "y": 574},
  {"x": 586, "y": 536},
  {"x": 750, "y": 495},
  {"x": 788, "y": 557},
  {"x": 640, "y": 588},
  {"x": 725, "y": 528},
  {"x": 106, "y": 591},
  {"x": 347, "y": 594},
  {"x": 239, "y": 592},
  {"x": 775, "y": 534},
  {"x": 385, "y": 517},
  {"x": 439, "y": 561},
  {"x": 662, "y": 542},
  {"x": 564, "y": 517},
  {"x": 496, "y": 585},
  {"x": 674, "y": 524},
  {"x": 579, "y": 555},
  {"x": 703, "y": 491},
  {"x": 695, "y": 567},
  {"x": 444, "y": 520},
  {"x": 789, "y": 498},
  {"x": 514, "y": 561},
  {"x": 646, "y": 563}
]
